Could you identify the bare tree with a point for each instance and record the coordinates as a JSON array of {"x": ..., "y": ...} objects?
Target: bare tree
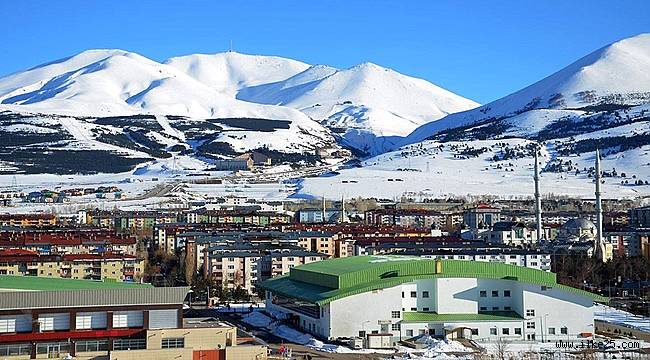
[{"x": 501, "y": 348}]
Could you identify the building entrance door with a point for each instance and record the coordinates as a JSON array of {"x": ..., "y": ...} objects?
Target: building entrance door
[{"x": 53, "y": 351}]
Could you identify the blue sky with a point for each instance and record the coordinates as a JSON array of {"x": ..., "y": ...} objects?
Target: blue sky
[{"x": 479, "y": 49}]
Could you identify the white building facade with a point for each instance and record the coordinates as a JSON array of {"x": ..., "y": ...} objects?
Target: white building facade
[{"x": 403, "y": 297}]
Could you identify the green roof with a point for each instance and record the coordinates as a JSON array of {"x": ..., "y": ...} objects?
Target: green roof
[
  {"x": 420, "y": 316},
  {"x": 34, "y": 283},
  {"x": 325, "y": 281}
]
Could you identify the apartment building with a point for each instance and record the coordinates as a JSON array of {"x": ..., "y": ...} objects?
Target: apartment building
[
  {"x": 27, "y": 220},
  {"x": 511, "y": 233},
  {"x": 245, "y": 265},
  {"x": 67, "y": 240},
  {"x": 323, "y": 242},
  {"x": 107, "y": 266}
]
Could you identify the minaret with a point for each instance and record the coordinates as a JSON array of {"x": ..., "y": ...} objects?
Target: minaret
[
  {"x": 343, "y": 217},
  {"x": 538, "y": 200},
  {"x": 324, "y": 210},
  {"x": 598, "y": 246}
]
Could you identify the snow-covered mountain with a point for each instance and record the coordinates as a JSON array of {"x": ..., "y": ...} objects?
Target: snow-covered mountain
[
  {"x": 608, "y": 78},
  {"x": 86, "y": 99},
  {"x": 231, "y": 71},
  {"x": 601, "y": 101},
  {"x": 369, "y": 105}
]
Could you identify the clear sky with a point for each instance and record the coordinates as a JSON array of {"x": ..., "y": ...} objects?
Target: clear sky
[{"x": 479, "y": 49}]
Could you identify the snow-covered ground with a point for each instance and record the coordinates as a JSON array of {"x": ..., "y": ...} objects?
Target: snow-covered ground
[
  {"x": 621, "y": 317},
  {"x": 426, "y": 170}
]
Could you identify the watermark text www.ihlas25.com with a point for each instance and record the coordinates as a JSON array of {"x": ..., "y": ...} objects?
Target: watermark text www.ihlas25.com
[{"x": 607, "y": 344}]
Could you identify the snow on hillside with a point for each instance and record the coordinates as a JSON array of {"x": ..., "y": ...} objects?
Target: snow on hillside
[
  {"x": 121, "y": 102},
  {"x": 615, "y": 74},
  {"x": 366, "y": 102},
  {"x": 115, "y": 82},
  {"x": 433, "y": 169},
  {"x": 230, "y": 71}
]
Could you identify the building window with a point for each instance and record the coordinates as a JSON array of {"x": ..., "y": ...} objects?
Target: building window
[
  {"x": 507, "y": 308},
  {"x": 483, "y": 293},
  {"x": 495, "y": 293},
  {"x": 425, "y": 309},
  {"x": 91, "y": 345},
  {"x": 551, "y": 331},
  {"x": 495, "y": 308},
  {"x": 414, "y": 309},
  {"x": 530, "y": 325},
  {"x": 493, "y": 331},
  {"x": 564, "y": 330},
  {"x": 505, "y": 331},
  {"x": 402, "y": 294},
  {"x": 414, "y": 294},
  {"x": 395, "y": 327},
  {"x": 425, "y": 294},
  {"x": 362, "y": 334},
  {"x": 172, "y": 343},
  {"x": 530, "y": 312},
  {"x": 474, "y": 331},
  {"x": 53, "y": 347},
  {"x": 517, "y": 331},
  {"x": 506, "y": 293},
  {"x": 483, "y": 308},
  {"x": 395, "y": 314},
  {"x": 409, "y": 332},
  {"x": 15, "y": 349}
]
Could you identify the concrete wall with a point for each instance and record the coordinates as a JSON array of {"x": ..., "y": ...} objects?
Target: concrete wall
[
  {"x": 420, "y": 303},
  {"x": 564, "y": 309},
  {"x": 150, "y": 354},
  {"x": 445, "y": 329},
  {"x": 364, "y": 312},
  {"x": 246, "y": 352},
  {"x": 195, "y": 338},
  {"x": 457, "y": 296}
]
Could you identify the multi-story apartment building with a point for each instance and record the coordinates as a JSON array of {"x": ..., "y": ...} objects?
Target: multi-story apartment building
[
  {"x": 512, "y": 233},
  {"x": 245, "y": 265},
  {"x": 413, "y": 218},
  {"x": 627, "y": 241},
  {"x": 67, "y": 241},
  {"x": 108, "y": 267},
  {"x": 465, "y": 250},
  {"x": 323, "y": 242},
  {"x": 481, "y": 217},
  {"x": 315, "y": 216},
  {"x": 639, "y": 217},
  {"x": 27, "y": 220}
]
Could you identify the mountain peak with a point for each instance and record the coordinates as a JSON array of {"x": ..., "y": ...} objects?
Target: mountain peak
[{"x": 616, "y": 74}]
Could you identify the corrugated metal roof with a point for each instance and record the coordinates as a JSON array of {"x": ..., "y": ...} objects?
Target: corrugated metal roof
[
  {"x": 19, "y": 300},
  {"x": 34, "y": 283},
  {"x": 325, "y": 281},
  {"x": 481, "y": 316}
]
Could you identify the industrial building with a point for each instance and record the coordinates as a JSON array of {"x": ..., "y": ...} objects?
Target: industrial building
[
  {"x": 400, "y": 297},
  {"x": 82, "y": 319}
]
